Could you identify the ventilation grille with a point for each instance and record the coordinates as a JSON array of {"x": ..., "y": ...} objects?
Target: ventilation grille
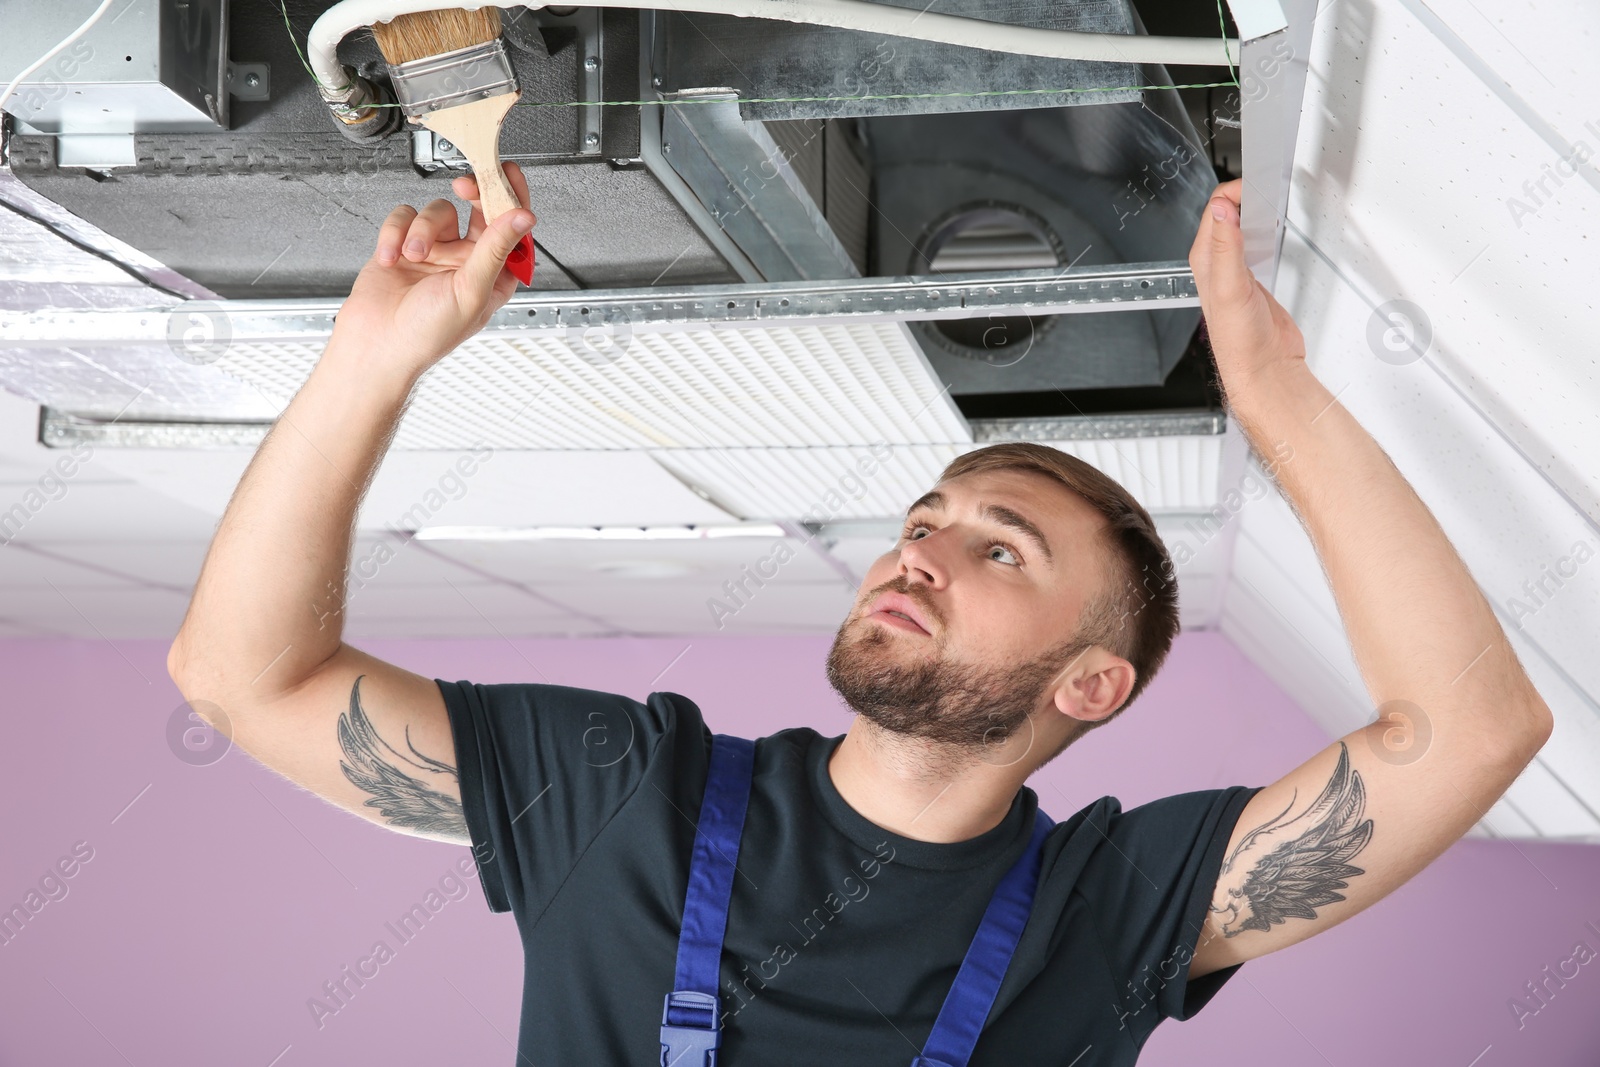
[
  {"x": 1165, "y": 474},
  {"x": 801, "y": 387}
]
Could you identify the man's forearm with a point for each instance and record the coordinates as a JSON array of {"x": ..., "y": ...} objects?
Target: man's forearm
[
  {"x": 1418, "y": 625},
  {"x": 268, "y": 607}
]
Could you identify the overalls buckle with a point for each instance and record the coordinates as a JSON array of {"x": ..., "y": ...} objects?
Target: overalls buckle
[{"x": 690, "y": 1023}]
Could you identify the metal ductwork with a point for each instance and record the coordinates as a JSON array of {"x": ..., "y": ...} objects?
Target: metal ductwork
[{"x": 764, "y": 152}]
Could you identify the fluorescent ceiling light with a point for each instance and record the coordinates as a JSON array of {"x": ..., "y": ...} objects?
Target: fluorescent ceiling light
[{"x": 597, "y": 533}]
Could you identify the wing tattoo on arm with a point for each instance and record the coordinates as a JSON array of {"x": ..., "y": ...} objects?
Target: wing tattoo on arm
[
  {"x": 1296, "y": 863},
  {"x": 403, "y": 801}
]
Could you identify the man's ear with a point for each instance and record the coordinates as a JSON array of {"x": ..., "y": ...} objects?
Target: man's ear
[{"x": 1094, "y": 686}]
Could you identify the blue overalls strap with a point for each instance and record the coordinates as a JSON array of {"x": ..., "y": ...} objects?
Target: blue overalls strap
[
  {"x": 966, "y": 1006},
  {"x": 691, "y": 1018}
]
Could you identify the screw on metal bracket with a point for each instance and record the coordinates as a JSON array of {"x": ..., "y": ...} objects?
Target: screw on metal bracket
[
  {"x": 591, "y": 140},
  {"x": 592, "y": 63},
  {"x": 250, "y": 81}
]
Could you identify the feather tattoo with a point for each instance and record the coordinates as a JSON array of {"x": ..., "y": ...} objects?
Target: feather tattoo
[
  {"x": 402, "y": 800},
  {"x": 1296, "y": 864}
]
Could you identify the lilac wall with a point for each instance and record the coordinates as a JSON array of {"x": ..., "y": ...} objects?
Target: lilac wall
[{"x": 219, "y": 898}]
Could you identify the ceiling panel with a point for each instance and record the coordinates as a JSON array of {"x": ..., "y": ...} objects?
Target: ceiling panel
[
  {"x": 1493, "y": 412},
  {"x": 21, "y": 567},
  {"x": 110, "y": 612},
  {"x": 706, "y": 607},
  {"x": 570, "y": 564},
  {"x": 715, "y": 387},
  {"x": 495, "y": 601}
]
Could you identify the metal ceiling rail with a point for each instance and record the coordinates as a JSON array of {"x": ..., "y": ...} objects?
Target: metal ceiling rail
[
  {"x": 1133, "y": 287},
  {"x": 62, "y": 429}
]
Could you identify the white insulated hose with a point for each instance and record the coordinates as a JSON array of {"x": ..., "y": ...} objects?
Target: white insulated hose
[{"x": 351, "y": 15}]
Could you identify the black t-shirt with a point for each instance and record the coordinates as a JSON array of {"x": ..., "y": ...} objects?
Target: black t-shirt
[{"x": 843, "y": 938}]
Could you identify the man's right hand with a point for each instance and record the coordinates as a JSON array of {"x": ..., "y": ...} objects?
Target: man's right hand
[{"x": 426, "y": 288}]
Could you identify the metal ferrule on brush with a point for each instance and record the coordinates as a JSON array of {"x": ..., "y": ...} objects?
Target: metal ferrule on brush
[{"x": 433, "y": 83}]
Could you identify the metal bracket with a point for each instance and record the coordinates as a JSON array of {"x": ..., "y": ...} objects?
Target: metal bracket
[
  {"x": 742, "y": 177},
  {"x": 249, "y": 81},
  {"x": 589, "y": 23},
  {"x": 96, "y": 151},
  {"x": 430, "y": 152},
  {"x": 589, "y": 121}
]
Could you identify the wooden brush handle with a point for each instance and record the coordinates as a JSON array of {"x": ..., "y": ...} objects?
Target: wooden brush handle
[{"x": 474, "y": 128}]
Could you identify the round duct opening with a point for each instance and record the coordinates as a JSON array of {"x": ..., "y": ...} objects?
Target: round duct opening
[{"x": 988, "y": 237}]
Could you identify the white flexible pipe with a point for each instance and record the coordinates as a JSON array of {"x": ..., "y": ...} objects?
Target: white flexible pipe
[{"x": 350, "y": 15}]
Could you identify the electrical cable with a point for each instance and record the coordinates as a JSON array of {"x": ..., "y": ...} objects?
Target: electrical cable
[{"x": 88, "y": 23}]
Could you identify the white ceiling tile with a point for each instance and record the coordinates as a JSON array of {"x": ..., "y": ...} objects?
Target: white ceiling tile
[
  {"x": 503, "y": 487},
  {"x": 1410, "y": 205},
  {"x": 1324, "y": 690},
  {"x": 465, "y": 609},
  {"x": 1541, "y": 798},
  {"x": 1549, "y": 70},
  {"x": 704, "y": 607},
  {"x": 510, "y": 487},
  {"x": 860, "y": 553},
  {"x": 99, "y": 612},
  {"x": 21, "y": 568},
  {"x": 475, "y": 627},
  {"x": 1505, "y": 819},
  {"x": 173, "y": 563},
  {"x": 814, "y": 484},
  {"x": 385, "y": 559},
  {"x": 583, "y": 564},
  {"x": 87, "y": 511}
]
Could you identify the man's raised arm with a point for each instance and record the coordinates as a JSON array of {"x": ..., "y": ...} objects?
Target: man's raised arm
[
  {"x": 1360, "y": 818},
  {"x": 262, "y": 638}
]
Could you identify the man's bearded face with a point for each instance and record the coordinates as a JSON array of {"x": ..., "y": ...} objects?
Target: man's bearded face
[{"x": 926, "y": 693}]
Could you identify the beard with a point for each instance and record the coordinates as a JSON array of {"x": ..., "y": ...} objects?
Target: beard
[{"x": 963, "y": 706}]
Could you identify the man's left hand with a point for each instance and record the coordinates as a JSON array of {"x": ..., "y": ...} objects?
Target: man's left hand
[{"x": 1250, "y": 332}]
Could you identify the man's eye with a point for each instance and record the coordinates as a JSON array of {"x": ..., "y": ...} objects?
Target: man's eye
[{"x": 1006, "y": 549}]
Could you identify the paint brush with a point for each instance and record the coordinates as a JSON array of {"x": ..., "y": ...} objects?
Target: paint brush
[{"x": 452, "y": 75}]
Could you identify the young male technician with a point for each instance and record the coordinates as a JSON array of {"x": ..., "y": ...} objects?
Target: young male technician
[{"x": 856, "y": 875}]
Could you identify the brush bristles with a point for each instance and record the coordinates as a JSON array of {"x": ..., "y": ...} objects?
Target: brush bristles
[{"x": 433, "y": 33}]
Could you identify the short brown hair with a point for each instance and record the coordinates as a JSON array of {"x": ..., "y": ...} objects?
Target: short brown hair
[{"x": 1135, "y": 615}]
